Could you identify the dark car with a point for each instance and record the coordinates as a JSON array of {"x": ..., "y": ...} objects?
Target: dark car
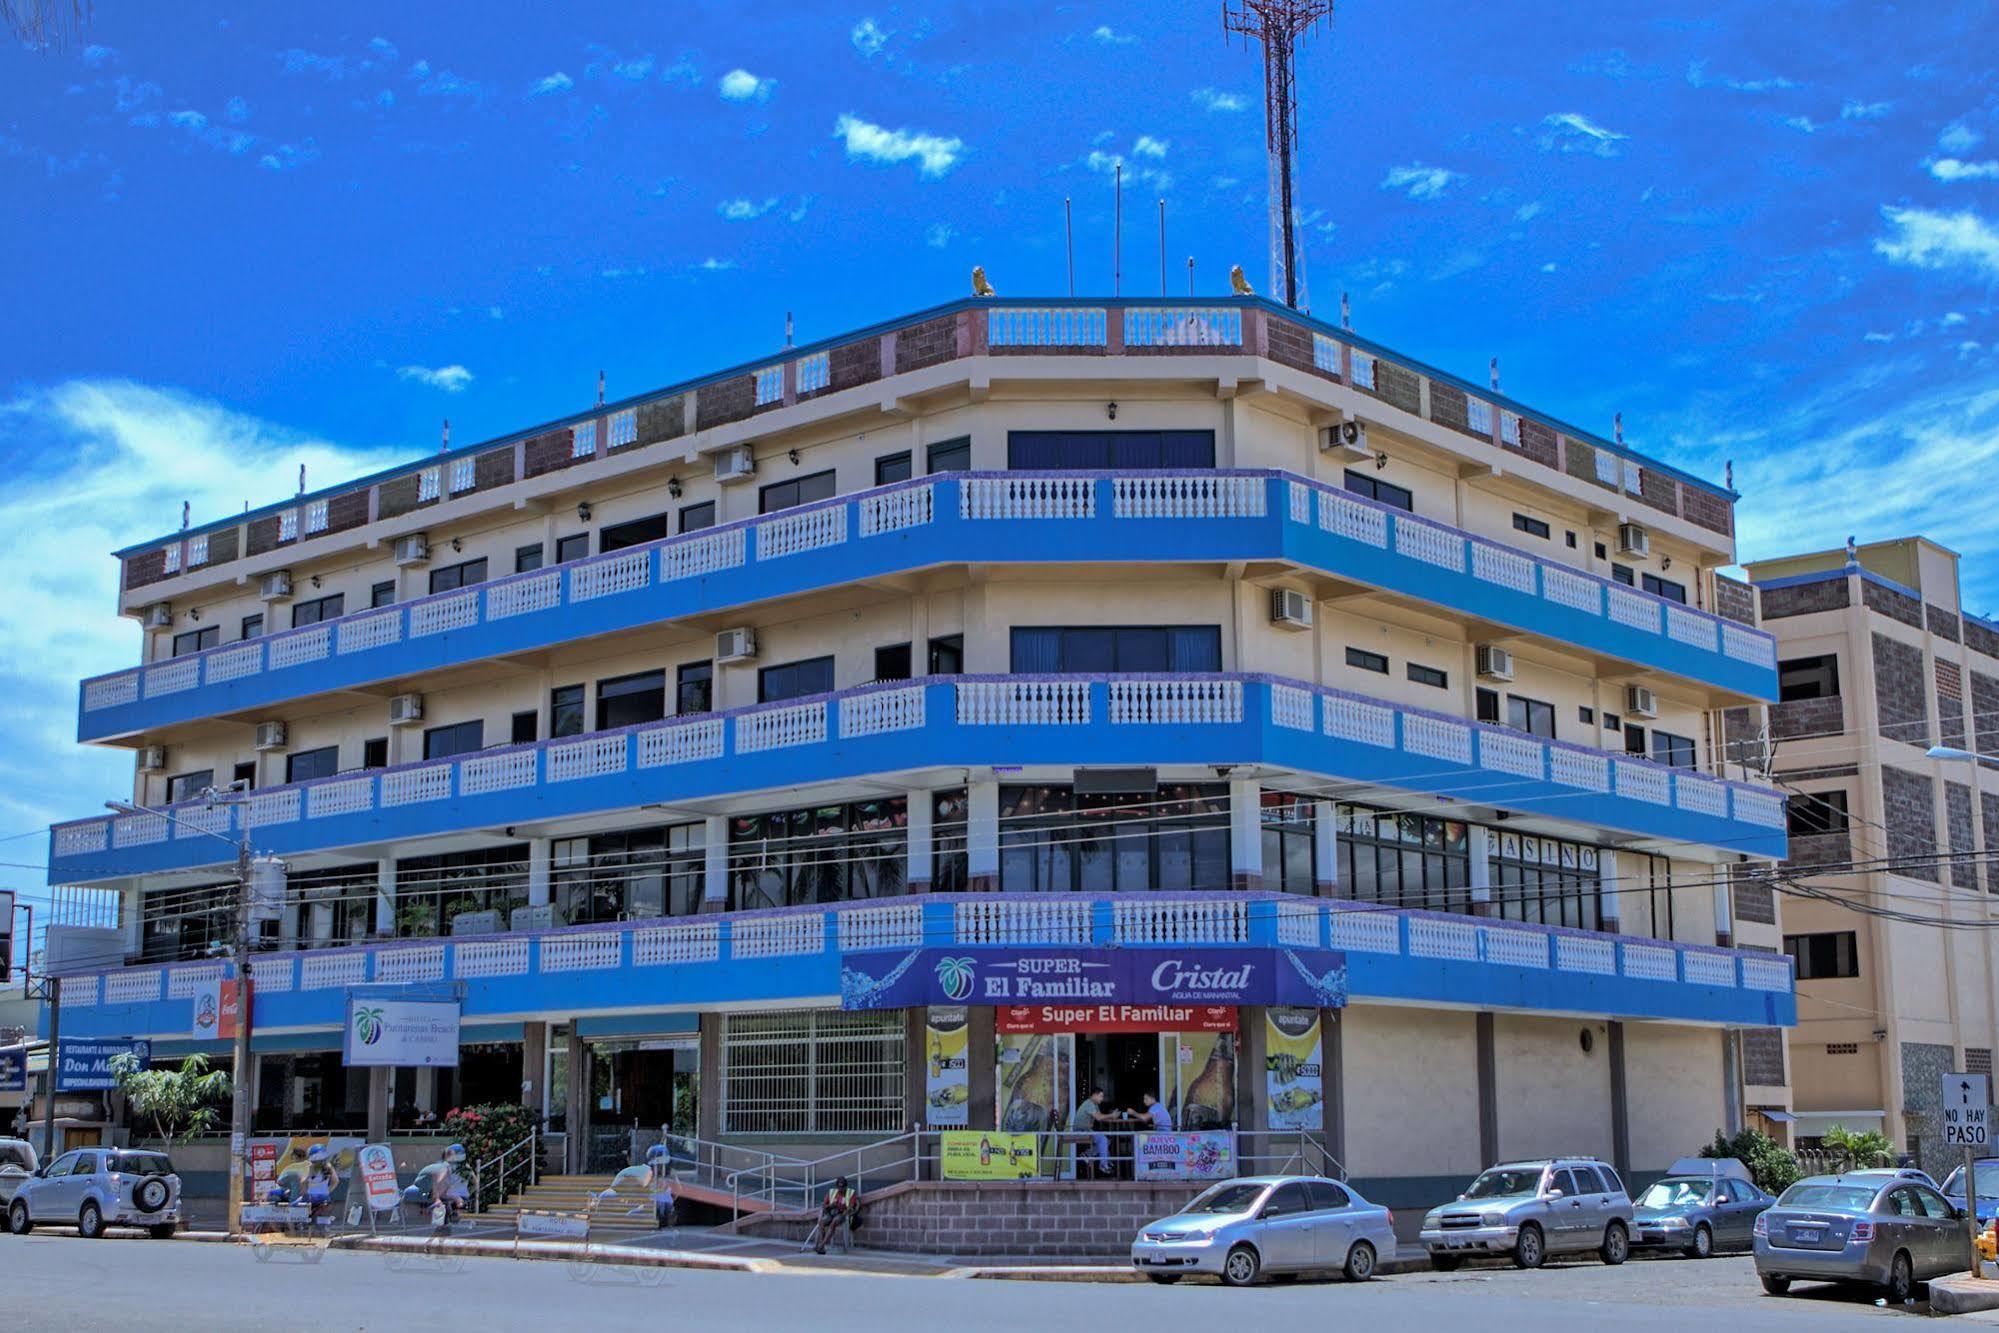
[
  {"x": 1880, "y": 1230},
  {"x": 1698, "y": 1211},
  {"x": 1988, "y": 1188}
]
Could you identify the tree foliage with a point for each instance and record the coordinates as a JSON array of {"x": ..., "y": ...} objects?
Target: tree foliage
[
  {"x": 1771, "y": 1165},
  {"x": 180, "y": 1103},
  {"x": 486, "y": 1132},
  {"x": 1852, "y": 1150}
]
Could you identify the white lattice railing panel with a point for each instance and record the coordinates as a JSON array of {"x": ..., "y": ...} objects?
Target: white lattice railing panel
[
  {"x": 1182, "y": 326},
  {"x": 879, "y": 712},
  {"x": 1564, "y": 588},
  {"x": 792, "y": 935},
  {"x": 364, "y": 632},
  {"x": 1027, "y": 497},
  {"x": 266, "y": 808},
  {"x": 1508, "y": 569},
  {"x": 1762, "y": 808},
  {"x": 441, "y": 615},
  {"x": 1430, "y": 937},
  {"x": 1436, "y": 738},
  {"x": 1040, "y": 703},
  {"x": 519, "y": 597},
  {"x": 1586, "y": 953},
  {"x": 330, "y": 971},
  {"x": 396, "y": 967},
  {"x": 183, "y": 982},
  {"x": 1748, "y": 645},
  {"x": 1702, "y": 796},
  {"x": 342, "y": 796},
  {"x": 297, "y": 649},
  {"x": 1045, "y": 326},
  {"x": 1513, "y": 947},
  {"x": 193, "y": 821},
  {"x": 1344, "y": 517},
  {"x": 1430, "y": 544},
  {"x": 82, "y": 839},
  {"x": 1168, "y": 496},
  {"x": 79, "y": 992},
  {"x": 1366, "y": 931},
  {"x": 412, "y": 786},
  {"x": 508, "y": 770},
  {"x": 1651, "y": 962},
  {"x": 627, "y": 571},
  {"x": 1300, "y": 497},
  {"x": 1767, "y": 974},
  {"x": 182, "y": 673},
  {"x": 1693, "y": 629},
  {"x": 1642, "y": 782},
  {"x": 273, "y": 976},
  {"x": 1176, "y": 702},
  {"x": 806, "y": 530},
  {"x": 139, "y": 985},
  {"x": 1352, "y": 720},
  {"x": 597, "y": 757},
  {"x": 589, "y": 951},
  {"x": 781, "y": 728},
  {"x": 1578, "y": 768},
  {"x": 1298, "y": 923},
  {"x": 1633, "y": 610},
  {"x": 1709, "y": 969},
  {"x": 234, "y": 663},
  {"x": 693, "y": 942},
  {"x": 1146, "y": 920},
  {"x": 897, "y": 510},
  {"x": 985, "y": 921},
  {"x": 892, "y": 926},
  {"x": 1505, "y": 752},
  {"x": 691, "y": 557},
  {"x": 1291, "y": 707},
  {"x": 139, "y": 830},
  {"x": 681, "y": 743},
  {"x": 111, "y": 691},
  {"x": 490, "y": 958}
]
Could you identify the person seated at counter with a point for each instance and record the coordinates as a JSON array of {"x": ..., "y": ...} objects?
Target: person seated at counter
[
  {"x": 1087, "y": 1118},
  {"x": 1155, "y": 1113}
]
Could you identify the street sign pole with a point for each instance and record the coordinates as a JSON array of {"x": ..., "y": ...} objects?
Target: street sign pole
[
  {"x": 1971, "y": 1208},
  {"x": 1967, "y": 1110}
]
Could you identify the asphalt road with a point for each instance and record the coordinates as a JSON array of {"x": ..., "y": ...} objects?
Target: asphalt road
[{"x": 58, "y": 1280}]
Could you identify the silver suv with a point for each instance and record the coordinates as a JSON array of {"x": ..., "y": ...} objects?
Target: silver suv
[
  {"x": 94, "y": 1188},
  {"x": 1530, "y": 1210}
]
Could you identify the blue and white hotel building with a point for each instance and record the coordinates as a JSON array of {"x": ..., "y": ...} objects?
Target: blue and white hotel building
[{"x": 1170, "y": 638}]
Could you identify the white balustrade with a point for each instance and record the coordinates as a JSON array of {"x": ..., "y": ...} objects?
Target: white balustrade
[
  {"x": 1748, "y": 645},
  {"x": 691, "y": 942},
  {"x": 1566, "y": 588},
  {"x": 1429, "y": 543},
  {"x": 296, "y": 649},
  {"x": 1298, "y": 923},
  {"x": 1709, "y": 969},
  {"x": 1572, "y": 767},
  {"x": 399, "y": 967},
  {"x": 780, "y": 728},
  {"x": 171, "y": 677},
  {"x": 1508, "y": 569},
  {"x": 193, "y": 821},
  {"x": 1150, "y": 920},
  {"x": 111, "y": 691},
  {"x": 804, "y": 530},
  {"x": 1702, "y": 796},
  {"x": 519, "y": 597},
  {"x": 1651, "y": 962},
  {"x": 1182, "y": 326},
  {"x": 1766, "y": 974},
  {"x": 627, "y": 571},
  {"x": 1291, "y": 707},
  {"x": 1631, "y": 609},
  {"x": 1175, "y": 702},
  {"x": 509, "y": 770},
  {"x": 585, "y": 951},
  {"x": 280, "y": 806},
  {"x": 1507, "y": 752},
  {"x": 364, "y": 632},
  {"x": 333, "y": 971},
  {"x": 137, "y": 985},
  {"x": 897, "y": 510},
  {"x": 413, "y": 786},
  {"x": 1372, "y": 930},
  {"x": 227, "y": 664},
  {"x": 1594, "y": 954},
  {"x": 139, "y": 830},
  {"x": 879, "y": 712},
  {"x": 1168, "y": 496},
  {"x": 490, "y": 958},
  {"x": 1436, "y": 937},
  {"x": 79, "y": 992},
  {"x": 1032, "y": 919},
  {"x": 1027, "y": 497},
  {"x": 1762, "y": 808},
  {"x": 441, "y": 615},
  {"x": 1300, "y": 497},
  {"x": 892, "y": 926},
  {"x": 341, "y": 796},
  {"x": 1352, "y": 720},
  {"x": 1512, "y": 946},
  {"x": 82, "y": 839},
  {"x": 1436, "y": 738},
  {"x": 1346, "y": 517},
  {"x": 1642, "y": 782},
  {"x": 1045, "y": 326},
  {"x": 1037, "y": 703},
  {"x": 184, "y": 982},
  {"x": 273, "y": 976},
  {"x": 791, "y": 935},
  {"x": 680, "y": 743},
  {"x": 1693, "y": 629},
  {"x": 595, "y": 757},
  {"x": 691, "y": 557}
]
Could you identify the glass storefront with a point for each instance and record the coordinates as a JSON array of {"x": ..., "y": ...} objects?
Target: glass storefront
[
  {"x": 1055, "y": 841},
  {"x": 629, "y": 875},
  {"x": 826, "y": 854}
]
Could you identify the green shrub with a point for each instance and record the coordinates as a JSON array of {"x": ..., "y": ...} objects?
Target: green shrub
[
  {"x": 1771, "y": 1165},
  {"x": 486, "y": 1132}
]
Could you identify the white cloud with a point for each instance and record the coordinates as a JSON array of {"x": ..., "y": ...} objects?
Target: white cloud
[
  {"x": 1950, "y": 169},
  {"x": 934, "y": 154},
  {"x": 1877, "y": 337},
  {"x": 557, "y": 82},
  {"x": 1803, "y": 123},
  {"x": 383, "y": 48},
  {"x": 237, "y": 109},
  {"x": 742, "y": 210},
  {"x": 1211, "y": 99},
  {"x": 1573, "y": 132},
  {"x": 1855, "y": 109},
  {"x": 97, "y": 56},
  {"x": 1925, "y": 239},
  {"x": 444, "y": 83},
  {"x": 870, "y": 37},
  {"x": 1699, "y": 77},
  {"x": 714, "y": 265},
  {"x": 187, "y": 120},
  {"x": 1548, "y": 267},
  {"x": 1419, "y": 181},
  {"x": 289, "y": 156},
  {"x": 1111, "y": 37},
  {"x": 1952, "y": 319},
  {"x": 1528, "y": 212},
  {"x": 1135, "y": 175},
  {"x": 1959, "y": 137},
  {"x": 739, "y": 85},
  {"x": 1147, "y": 146},
  {"x": 939, "y": 235},
  {"x": 800, "y": 209},
  {"x": 451, "y": 379}
]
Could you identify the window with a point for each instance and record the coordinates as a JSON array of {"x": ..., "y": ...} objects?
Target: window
[
  {"x": 1586, "y": 715},
  {"x": 1531, "y": 716},
  {"x": 573, "y": 547},
  {"x": 187, "y": 786},
  {"x": 453, "y": 577},
  {"x": 1533, "y": 527},
  {"x": 1425, "y": 675},
  {"x": 1611, "y": 722},
  {"x": 426, "y": 485},
  {"x": 527, "y": 558},
  {"x": 253, "y": 626},
  {"x": 1044, "y": 651},
  {"x": 1825, "y": 956},
  {"x": 1363, "y": 369},
  {"x": 626, "y": 701},
  {"x": 1672, "y": 751},
  {"x": 1602, "y": 551},
  {"x": 1103, "y": 450},
  {"x": 794, "y": 680},
  {"x": 1808, "y": 814},
  {"x": 457, "y": 738},
  {"x": 375, "y": 752},
  {"x": 1326, "y": 1196},
  {"x": 1666, "y": 588},
  {"x": 826, "y": 854},
  {"x": 1486, "y": 704},
  {"x": 1404, "y": 860},
  {"x": 780, "y": 495},
  {"x": 1056, "y": 840},
  {"x": 1570, "y": 538},
  {"x": 583, "y": 439},
  {"x": 246, "y": 774},
  {"x": 313, "y": 611},
  {"x": 892, "y": 662},
  {"x": 1374, "y": 488},
  {"x": 823, "y": 1071},
  {"x": 947, "y": 655},
  {"x": 1288, "y": 1200},
  {"x": 1546, "y": 881},
  {"x": 194, "y": 640},
  {"x": 694, "y": 687},
  {"x": 525, "y": 725},
  {"x": 432, "y": 891},
  {"x": 629, "y": 874},
  {"x": 1808, "y": 678},
  {"x": 309, "y": 764},
  {"x": 382, "y": 594},
  {"x": 1634, "y": 739},
  {"x": 893, "y": 467},
  {"x": 624, "y": 428},
  {"x": 1623, "y": 574},
  {"x": 950, "y": 455},
  {"x": 693, "y": 518},
  {"x": 565, "y": 711},
  {"x": 617, "y": 536},
  {"x": 1367, "y": 661},
  {"x": 1290, "y": 830}
]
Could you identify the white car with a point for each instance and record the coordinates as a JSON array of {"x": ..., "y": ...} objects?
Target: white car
[
  {"x": 94, "y": 1188},
  {"x": 17, "y": 1162},
  {"x": 1240, "y": 1230}
]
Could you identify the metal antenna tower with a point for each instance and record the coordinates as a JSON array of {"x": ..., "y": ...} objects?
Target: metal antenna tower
[{"x": 1278, "y": 24}]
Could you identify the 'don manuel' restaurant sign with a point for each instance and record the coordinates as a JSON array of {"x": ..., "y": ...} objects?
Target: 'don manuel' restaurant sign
[{"x": 1072, "y": 977}]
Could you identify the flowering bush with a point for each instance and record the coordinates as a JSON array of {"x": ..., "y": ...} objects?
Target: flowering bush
[{"x": 486, "y": 1132}]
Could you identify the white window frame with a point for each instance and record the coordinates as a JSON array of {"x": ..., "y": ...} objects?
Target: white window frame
[
  {"x": 1509, "y": 428},
  {"x": 1478, "y": 414},
  {"x": 814, "y": 373},
  {"x": 775, "y": 1065}
]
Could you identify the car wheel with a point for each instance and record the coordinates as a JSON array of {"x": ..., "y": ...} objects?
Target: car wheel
[
  {"x": 1241, "y": 1267},
  {"x": 1775, "y": 1285},
  {"x": 1901, "y": 1279},
  {"x": 161, "y": 1231},
  {"x": 1164, "y": 1279},
  {"x": 1527, "y": 1251},
  {"x": 18, "y": 1220},
  {"x": 1616, "y": 1247},
  {"x": 1703, "y": 1246},
  {"x": 1360, "y": 1262},
  {"x": 1446, "y": 1263},
  {"x": 90, "y": 1221}
]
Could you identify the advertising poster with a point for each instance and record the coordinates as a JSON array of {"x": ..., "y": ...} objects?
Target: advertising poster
[
  {"x": 1292, "y": 1082},
  {"x": 14, "y": 1069},
  {"x": 947, "y": 1073},
  {"x": 980, "y": 1154},
  {"x": 85, "y": 1066},
  {"x": 403, "y": 1033},
  {"x": 1033, "y": 1082},
  {"x": 377, "y": 1168},
  {"x": 1202, "y": 1155},
  {"x": 283, "y": 1161},
  {"x": 215, "y": 1011},
  {"x": 1114, "y": 1018},
  {"x": 1222, "y": 975},
  {"x": 1203, "y": 1093}
]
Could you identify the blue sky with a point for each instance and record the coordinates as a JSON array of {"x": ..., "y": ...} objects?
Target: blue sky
[{"x": 248, "y": 238}]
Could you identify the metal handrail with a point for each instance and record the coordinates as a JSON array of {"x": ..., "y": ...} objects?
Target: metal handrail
[{"x": 527, "y": 1163}]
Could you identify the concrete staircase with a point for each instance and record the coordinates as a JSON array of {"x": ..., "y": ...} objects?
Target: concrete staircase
[{"x": 613, "y": 1219}]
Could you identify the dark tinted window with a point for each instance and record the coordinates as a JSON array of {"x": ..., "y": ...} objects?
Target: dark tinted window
[
  {"x": 892, "y": 662},
  {"x": 1289, "y": 1198},
  {"x": 383, "y": 593},
  {"x": 1105, "y": 450},
  {"x": 1533, "y": 527},
  {"x": 950, "y": 455},
  {"x": 617, "y": 536},
  {"x": 1824, "y": 956},
  {"x": 309, "y": 764},
  {"x": 187, "y": 786},
  {"x": 1426, "y": 675},
  {"x": 1623, "y": 574},
  {"x": 573, "y": 547},
  {"x": 694, "y": 685},
  {"x": 627, "y": 701},
  {"x": 892, "y": 467},
  {"x": 453, "y": 577},
  {"x": 1673, "y": 751},
  {"x": 194, "y": 640},
  {"x": 527, "y": 558},
  {"x": 565, "y": 711},
  {"x": 1587, "y": 1181},
  {"x": 795, "y": 679},
  {"x": 799, "y": 490},
  {"x": 318, "y": 609},
  {"x": 1810, "y": 813},
  {"x": 693, "y": 518},
  {"x": 947, "y": 655},
  {"x": 1041, "y": 651},
  {"x": 458, "y": 738},
  {"x": 1374, "y": 488},
  {"x": 1666, "y": 588},
  {"x": 253, "y": 626},
  {"x": 1325, "y": 1195},
  {"x": 525, "y": 724},
  {"x": 375, "y": 753},
  {"x": 1565, "y": 1181},
  {"x": 1367, "y": 661},
  {"x": 1486, "y": 703},
  {"x": 1531, "y": 716},
  {"x": 1808, "y": 678}
]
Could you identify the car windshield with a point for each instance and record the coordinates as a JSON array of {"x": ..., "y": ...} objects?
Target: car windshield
[
  {"x": 1810, "y": 1194},
  {"x": 1232, "y": 1197},
  {"x": 1505, "y": 1180},
  {"x": 1676, "y": 1194},
  {"x": 142, "y": 1164},
  {"x": 1988, "y": 1181}
]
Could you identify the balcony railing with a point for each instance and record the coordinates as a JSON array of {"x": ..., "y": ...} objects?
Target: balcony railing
[{"x": 1230, "y": 515}]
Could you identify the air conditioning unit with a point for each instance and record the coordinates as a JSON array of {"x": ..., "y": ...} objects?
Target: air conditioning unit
[
  {"x": 270, "y": 735},
  {"x": 405, "y": 709},
  {"x": 1640, "y": 702},
  {"x": 1494, "y": 663},
  {"x": 735, "y": 645},
  {"x": 1349, "y": 437},
  {"x": 736, "y": 463},
  {"x": 1291, "y": 609},
  {"x": 152, "y": 759},
  {"x": 275, "y": 585},
  {"x": 413, "y": 549},
  {"x": 158, "y": 616},
  {"x": 1633, "y": 540}
]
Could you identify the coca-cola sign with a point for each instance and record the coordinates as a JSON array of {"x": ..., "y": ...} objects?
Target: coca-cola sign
[{"x": 1094, "y": 979}]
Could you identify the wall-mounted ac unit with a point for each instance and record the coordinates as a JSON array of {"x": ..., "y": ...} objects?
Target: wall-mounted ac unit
[
  {"x": 152, "y": 759},
  {"x": 1633, "y": 540},
  {"x": 1640, "y": 702},
  {"x": 735, "y": 645},
  {"x": 158, "y": 616},
  {"x": 275, "y": 585},
  {"x": 736, "y": 463},
  {"x": 270, "y": 735},
  {"x": 1349, "y": 436},
  {"x": 413, "y": 549},
  {"x": 1494, "y": 663},
  {"x": 405, "y": 709},
  {"x": 1291, "y": 609}
]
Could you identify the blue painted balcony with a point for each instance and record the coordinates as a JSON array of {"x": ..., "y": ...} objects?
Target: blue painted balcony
[
  {"x": 794, "y": 954},
  {"x": 953, "y": 721},
  {"x": 967, "y": 518}
]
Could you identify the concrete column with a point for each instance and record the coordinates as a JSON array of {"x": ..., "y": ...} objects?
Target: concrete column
[
  {"x": 982, "y": 836},
  {"x": 1620, "y": 1109},
  {"x": 1478, "y": 843},
  {"x": 426, "y": 1091},
  {"x": 381, "y": 1083},
  {"x": 1731, "y": 1081},
  {"x": 1245, "y": 834},
  {"x": 131, "y": 920},
  {"x": 320, "y": 926},
  {"x": 1724, "y": 909},
  {"x": 1333, "y": 1078},
  {"x": 534, "y": 1064},
  {"x": 580, "y": 1110},
  {"x": 1488, "y": 1093},
  {"x": 920, "y": 811},
  {"x": 1252, "y": 1108},
  {"x": 1325, "y": 849},
  {"x": 714, "y": 1075},
  {"x": 540, "y": 851},
  {"x": 715, "y": 866},
  {"x": 385, "y": 897},
  {"x": 982, "y": 1055},
  {"x": 1613, "y": 889}
]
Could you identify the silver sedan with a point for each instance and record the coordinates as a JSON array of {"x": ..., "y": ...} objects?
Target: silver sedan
[
  {"x": 1241, "y": 1229},
  {"x": 1886, "y": 1231}
]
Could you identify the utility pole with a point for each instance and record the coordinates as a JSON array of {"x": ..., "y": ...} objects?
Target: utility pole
[
  {"x": 53, "y": 988},
  {"x": 239, "y": 1083},
  {"x": 1278, "y": 24}
]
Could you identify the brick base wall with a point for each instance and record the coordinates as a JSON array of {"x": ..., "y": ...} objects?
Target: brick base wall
[{"x": 986, "y": 1218}]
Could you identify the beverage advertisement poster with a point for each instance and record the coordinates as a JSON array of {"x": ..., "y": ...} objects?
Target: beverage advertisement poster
[
  {"x": 1036, "y": 1070},
  {"x": 1203, "y": 1095},
  {"x": 377, "y": 1168},
  {"x": 1201, "y": 1155},
  {"x": 1293, "y": 1081},
  {"x": 947, "y": 1075},
  {"x": 983, "y": 1154},
  {"x": 283, "y": 1162}
]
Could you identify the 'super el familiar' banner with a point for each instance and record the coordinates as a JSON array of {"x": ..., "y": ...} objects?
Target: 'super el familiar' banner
[{"x": 1208, "y": 975}]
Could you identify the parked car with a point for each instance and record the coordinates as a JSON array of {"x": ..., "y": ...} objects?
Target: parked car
[
  {"x": 1242, "y": 1229},
  {"x": 94, "y": 1188},
  {"x": 1700, "y": 1206},
  {"x": 1917, "y": 1174},
  {"x": 1953, "y": 1188},
  {"x": 17, "y": 1162},
  {"x": 1530, "y": 1210},
  {"x": 1889, "y": 1232}
]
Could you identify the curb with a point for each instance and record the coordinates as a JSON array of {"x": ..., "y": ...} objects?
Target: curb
[
  {"x": 1960, "y": 1293},
  {"x": 1120, "y": 1273},
  {"x": 557, "y": 1250}
]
